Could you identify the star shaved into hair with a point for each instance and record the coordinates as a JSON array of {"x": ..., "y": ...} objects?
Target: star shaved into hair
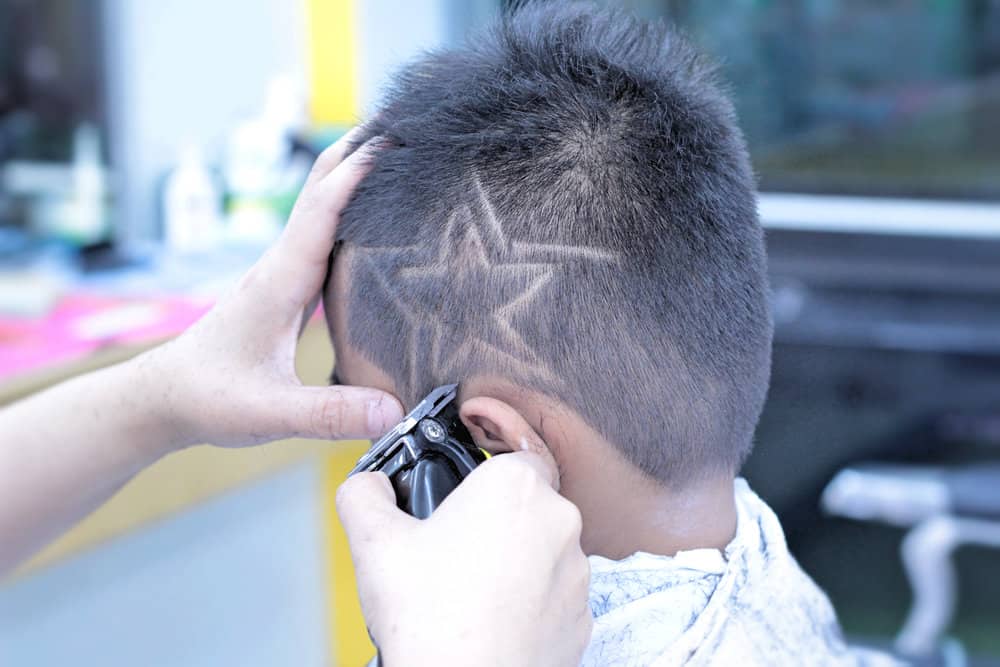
[
  {"x": 478, "y": 265},
  {"x": 565, "y": 207}
]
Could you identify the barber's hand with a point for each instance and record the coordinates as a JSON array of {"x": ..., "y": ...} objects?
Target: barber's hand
[
  {"x": 495, "y": 576},
  {"x": 230, "y": 379}
]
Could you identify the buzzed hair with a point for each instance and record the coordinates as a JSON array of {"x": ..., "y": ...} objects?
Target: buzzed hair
[{"x": 567, "y": 203}]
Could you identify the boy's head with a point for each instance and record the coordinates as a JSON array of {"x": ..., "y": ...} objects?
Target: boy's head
[{"x": 566, "y": 213}]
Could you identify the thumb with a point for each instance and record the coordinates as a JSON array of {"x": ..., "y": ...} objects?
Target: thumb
[
  {"x": 537, "y": 454},
  {"x": 366, "y": 504},
  {"x": 334, "y": 413}
]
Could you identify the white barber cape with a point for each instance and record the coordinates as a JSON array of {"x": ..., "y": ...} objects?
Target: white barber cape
[{"x": 749, "y": 605}]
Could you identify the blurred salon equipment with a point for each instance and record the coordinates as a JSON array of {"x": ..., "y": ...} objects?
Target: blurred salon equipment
[{"x": 942, "y": 509}]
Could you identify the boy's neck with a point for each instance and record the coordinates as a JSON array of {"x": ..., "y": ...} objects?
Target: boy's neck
[
  {"x": 624, "y": 511},
  {"x": 624, "y": 520}
]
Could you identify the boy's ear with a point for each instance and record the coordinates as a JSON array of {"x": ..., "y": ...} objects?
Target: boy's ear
[{"x": 497, "y": 427}]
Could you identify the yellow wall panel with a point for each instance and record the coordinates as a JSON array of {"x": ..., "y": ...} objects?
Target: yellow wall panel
[
  {"x": 333, "y": 47},
  {"x": 350, "y": 645}
]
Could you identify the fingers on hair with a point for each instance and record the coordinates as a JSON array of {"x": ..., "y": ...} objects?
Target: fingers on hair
[{"x": 333, "y": 155}]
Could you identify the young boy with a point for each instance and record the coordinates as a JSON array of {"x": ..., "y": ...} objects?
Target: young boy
[{"x": 564, "y": 221}]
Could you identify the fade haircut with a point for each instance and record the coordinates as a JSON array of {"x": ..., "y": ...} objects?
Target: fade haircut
[{"x": 567, "y": 204}]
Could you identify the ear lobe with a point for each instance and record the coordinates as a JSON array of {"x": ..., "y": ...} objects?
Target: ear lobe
[{"x": 494, "y": 425}]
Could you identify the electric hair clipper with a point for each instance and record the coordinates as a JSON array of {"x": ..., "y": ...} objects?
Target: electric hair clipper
[{"x": 426, "y": 455}]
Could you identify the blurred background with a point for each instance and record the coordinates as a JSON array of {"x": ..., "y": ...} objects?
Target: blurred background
[{"x": 150, "y": 150}]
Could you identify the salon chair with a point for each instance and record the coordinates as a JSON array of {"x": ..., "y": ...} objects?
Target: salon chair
[{"x": 943, "y": 508}]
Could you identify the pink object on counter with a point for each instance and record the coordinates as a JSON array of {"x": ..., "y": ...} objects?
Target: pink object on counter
[{"x": 83, "y": 323}]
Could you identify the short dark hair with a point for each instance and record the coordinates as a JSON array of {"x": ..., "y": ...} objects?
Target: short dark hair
[{"x": 568, "y": 204}]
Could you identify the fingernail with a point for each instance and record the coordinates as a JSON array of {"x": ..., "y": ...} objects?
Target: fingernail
[{"x": 383, "y": 413}]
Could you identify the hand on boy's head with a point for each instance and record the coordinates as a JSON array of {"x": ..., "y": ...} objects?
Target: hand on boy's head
[
  {"x": 230, "y": 379},
  {"x": 303, "y": 251}
]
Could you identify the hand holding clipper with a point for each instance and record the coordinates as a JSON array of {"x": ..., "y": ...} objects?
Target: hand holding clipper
[{"x": 503, "y": 549}]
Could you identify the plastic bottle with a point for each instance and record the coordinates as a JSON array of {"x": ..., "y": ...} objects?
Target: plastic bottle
[
  {"x": 192, "y": 204},
  {"x": 86, "y": 221}
]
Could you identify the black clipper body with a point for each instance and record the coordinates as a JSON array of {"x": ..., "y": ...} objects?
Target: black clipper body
[{"x": 426, "y": 455}]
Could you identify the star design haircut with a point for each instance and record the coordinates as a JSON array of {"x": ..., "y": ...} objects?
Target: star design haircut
[{"x": 492, "y": 278}]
